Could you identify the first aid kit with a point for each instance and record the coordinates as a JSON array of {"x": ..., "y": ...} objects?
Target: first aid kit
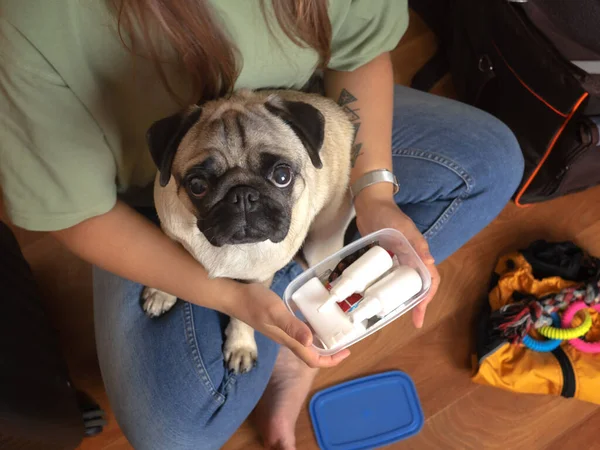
[{"x": 359, "y": 290}]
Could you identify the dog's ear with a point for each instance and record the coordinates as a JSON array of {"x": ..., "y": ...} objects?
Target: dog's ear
[
  {"x": 164, "y": 137},
  {"x": 306, "y": 121}
]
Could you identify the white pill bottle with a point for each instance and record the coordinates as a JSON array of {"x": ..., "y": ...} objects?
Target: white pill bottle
[
  {"x": 361, "y": 273},
  {"x": 388, "y": 294}
]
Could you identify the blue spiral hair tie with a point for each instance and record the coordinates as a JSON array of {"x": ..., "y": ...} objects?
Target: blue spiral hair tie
[{"x": 544, "y": 345}]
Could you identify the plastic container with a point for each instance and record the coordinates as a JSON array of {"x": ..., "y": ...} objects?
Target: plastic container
[
  {"x": 391, "y": 240},
  {"x": 366, "y": 413}
]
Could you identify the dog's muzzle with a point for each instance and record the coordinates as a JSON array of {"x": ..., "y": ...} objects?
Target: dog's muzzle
[{"x": 244, "y": 216}]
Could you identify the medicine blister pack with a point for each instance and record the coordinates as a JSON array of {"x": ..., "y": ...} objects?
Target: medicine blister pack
[{"x": 359, "y": 290}]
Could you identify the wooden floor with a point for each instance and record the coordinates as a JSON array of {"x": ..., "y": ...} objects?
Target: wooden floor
[{"x": 459, "y": 414}]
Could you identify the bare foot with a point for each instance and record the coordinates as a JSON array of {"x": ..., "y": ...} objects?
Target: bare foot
[{"x": 278, "y": 409}]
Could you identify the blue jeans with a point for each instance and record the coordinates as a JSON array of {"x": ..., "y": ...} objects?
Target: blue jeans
[{"x": 165, "y": 378}]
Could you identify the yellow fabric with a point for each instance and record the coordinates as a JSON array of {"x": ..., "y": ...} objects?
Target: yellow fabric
[
  {"x": 587, "y": 373},
  {"x": 521, "y": 279},
  {"x": 517, "y": 369}
]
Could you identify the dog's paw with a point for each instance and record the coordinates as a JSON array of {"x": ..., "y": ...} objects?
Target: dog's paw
[
  {"x": 240, "y": 359},
  {"x": 240, "y": 349},
  {"x": 155, "y": 303}
]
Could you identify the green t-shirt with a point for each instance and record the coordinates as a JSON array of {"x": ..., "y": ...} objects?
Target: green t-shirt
[{"x": 76, "y": 104}]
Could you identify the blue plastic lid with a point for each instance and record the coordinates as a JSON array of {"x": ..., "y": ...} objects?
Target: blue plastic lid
[{"x": 367, "y": 412}]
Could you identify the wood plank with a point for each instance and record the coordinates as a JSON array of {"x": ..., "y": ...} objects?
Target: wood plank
[
  {"x": 490, "y": 418},
  {"x": 582, "y": 436},
  {"x": 588, "y": 238}
]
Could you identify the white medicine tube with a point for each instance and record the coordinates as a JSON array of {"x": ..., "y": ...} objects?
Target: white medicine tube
[
  {"x": 360, "y": 274},
  {"x": 388, "y": 294},
  {"x": 332, "y": 327}
]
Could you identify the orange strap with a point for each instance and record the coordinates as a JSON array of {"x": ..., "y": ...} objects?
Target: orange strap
[{"x": 550, "y": 147}]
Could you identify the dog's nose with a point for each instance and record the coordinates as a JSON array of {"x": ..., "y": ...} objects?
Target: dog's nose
[{"x": 244, "y": 197}]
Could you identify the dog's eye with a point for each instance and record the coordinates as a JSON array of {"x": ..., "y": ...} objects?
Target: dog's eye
[
  {"x": 197, "y": 187},
  {"x": 282, "y": 176}
]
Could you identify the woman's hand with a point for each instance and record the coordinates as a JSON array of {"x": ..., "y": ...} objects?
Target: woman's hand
[
  {"x": 375, "y": 210},
  {"x": 264, "y": 311}
]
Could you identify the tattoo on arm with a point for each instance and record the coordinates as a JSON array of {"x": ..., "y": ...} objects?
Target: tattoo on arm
[{"x": 345, "y": 101}]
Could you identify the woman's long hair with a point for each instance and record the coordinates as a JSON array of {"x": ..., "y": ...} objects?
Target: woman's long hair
[{"x": 205, "y": 51}]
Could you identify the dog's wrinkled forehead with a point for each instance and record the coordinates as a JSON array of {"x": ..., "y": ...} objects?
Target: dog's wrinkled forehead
[
  {"x": 234, "y": 130},
  {"x": 234, "y": 134}
]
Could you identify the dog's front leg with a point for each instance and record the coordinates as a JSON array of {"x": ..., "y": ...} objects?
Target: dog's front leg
[
  {"x": 326, "y": 234},
  {"x": 240, "y": 350}
]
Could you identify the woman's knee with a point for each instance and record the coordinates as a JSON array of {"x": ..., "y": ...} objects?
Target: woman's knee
[
  {"x": 165, "y": 378},
  {"x": 477, "y": 142},
  {"x": 499, "y": 158},
  {"x": 169, "y": 423},
  {"x": 182, "y": 414}
]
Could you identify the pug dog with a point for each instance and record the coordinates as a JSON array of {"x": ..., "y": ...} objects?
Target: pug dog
[{"x": 246, "y": 182}]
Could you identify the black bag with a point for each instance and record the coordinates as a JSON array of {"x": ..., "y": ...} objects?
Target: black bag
[
  {"x": 503, "y": 63},
  {"x": 39, "y": 407}
]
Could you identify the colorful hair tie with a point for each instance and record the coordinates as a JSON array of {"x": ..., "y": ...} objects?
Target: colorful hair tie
[
  {"x": 580, "y": 344},
  {"x": 566, "y": 334},
  {"x": 543, "y": 346}
]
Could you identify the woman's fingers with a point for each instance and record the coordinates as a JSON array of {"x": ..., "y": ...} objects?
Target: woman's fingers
[
  {"x": 419, "y": 243},
  {"x": 298, "y": 331},
  {"x": 293, "y": 327},
  {"x": 419, "y": 312},
  {"x": 421, "y": 308},
  {"x": 435, "y": 283},
  {"x": 307, "y": 353},
  {"x": 281, "y": 335},
  {"x": 312, "y": 359},
  {"x": 333, "y": 360},
  {"x": 424, "y": 253},
  {"x": 419, "y": 315},
  {"x": 288, "y": 330}
]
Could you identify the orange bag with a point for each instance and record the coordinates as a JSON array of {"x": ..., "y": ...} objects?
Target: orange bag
[{"x": 513, "y": 367}]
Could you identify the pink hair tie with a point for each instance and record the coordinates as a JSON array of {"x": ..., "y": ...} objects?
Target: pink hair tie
[{"x": 580, "y": 344}]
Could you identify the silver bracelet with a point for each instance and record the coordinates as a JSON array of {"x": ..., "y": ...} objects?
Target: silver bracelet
[{"x": 374, "y": 177}]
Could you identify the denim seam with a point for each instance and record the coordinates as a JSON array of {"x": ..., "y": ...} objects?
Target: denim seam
[
  {"x": 441, "y": 160},
  {"x": 454, "y": 167},
  {"x": 190, "y": 334},
  {"x": 437, "y": 225},
  {"x": 231, "y": 380}
]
